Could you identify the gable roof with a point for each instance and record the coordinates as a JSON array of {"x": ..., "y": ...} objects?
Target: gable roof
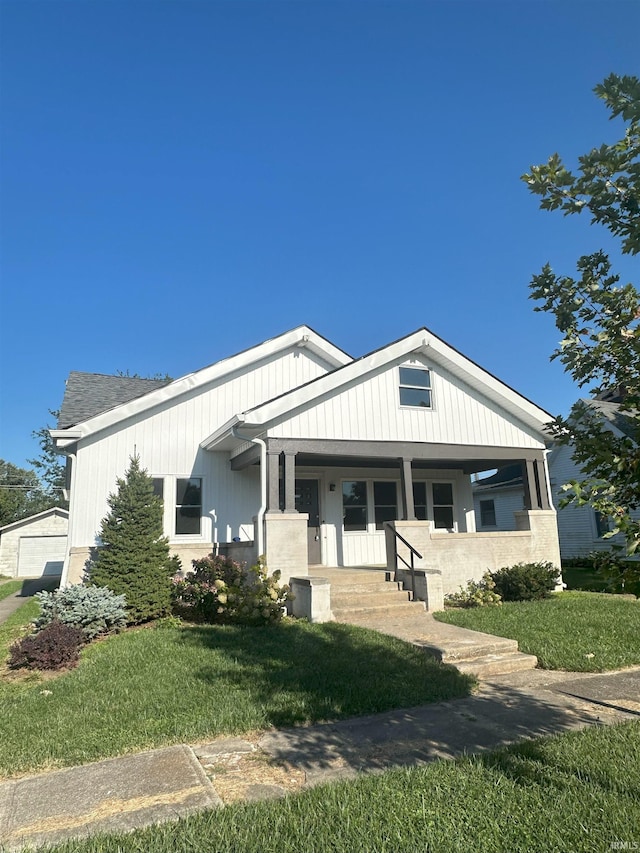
[
  {"x": 622, "y": 422},
  {"x": 421, "y": 341},
  {"x": 301, "y": 336},
  {"x": 90, "y": 394},
  {"x": 55, "y": 510}
]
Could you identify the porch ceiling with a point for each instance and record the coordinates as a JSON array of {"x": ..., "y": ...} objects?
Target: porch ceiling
[{"x": 313, "y": 453}]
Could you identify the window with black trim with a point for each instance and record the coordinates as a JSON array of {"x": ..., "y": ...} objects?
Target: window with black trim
[
  {"x": 420, "y": 500},
  {"x": 443, "y": 506},
  {"x": 188, "y": 506},
  {"x": 415, "y": 387},
  {"x": 487, "y": 513},
  {"x": 354, "y": 505},
  {"x": 603, "y": 524},
  {"x": 385, "y": 503}
]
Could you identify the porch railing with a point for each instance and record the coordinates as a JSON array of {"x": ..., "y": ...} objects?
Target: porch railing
[{"x": 397, "y": 556}]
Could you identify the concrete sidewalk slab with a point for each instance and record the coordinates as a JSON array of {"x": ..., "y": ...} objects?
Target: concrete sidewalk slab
[
  {"x": 494, "y": 717},
  {"x": 116, "y": 795},
  {"x": 11, "y": 603}
]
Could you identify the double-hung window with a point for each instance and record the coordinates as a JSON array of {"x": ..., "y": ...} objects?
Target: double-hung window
[
  {"x": 366, "y": 505},
  {"x": 487, "y": 513},
  {"x": 415, "y": 387},
  {"x": 443, "y": 506},
  {"x": 354, "y": 505},
  {"x": 188, "y": 506}
]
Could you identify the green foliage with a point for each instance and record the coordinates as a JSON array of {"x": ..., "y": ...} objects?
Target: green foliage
[
  {"x": 95, "y": 610},
  {"x": 55, "y": 647},
  {"x": 526, "y": 581},
  {"x": 598, "y": 317},
  {"x": 50, "y": 466},
  {"x": 21, "y": 493},
  {"x": 617, "y": 572},
  {"x": 221, "y": 590},
  {"x": 476, "y": 594},
  {"x": 133, "y": 558}
]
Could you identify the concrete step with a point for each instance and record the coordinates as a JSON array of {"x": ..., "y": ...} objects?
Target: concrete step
[
  {"x": 345, "y": 599},
  {"x": 498, "y": 664},
  {"x": 407, "y": 609},
  {"x": 344, "y": 577},
  {"x": 357, "y": 588},
  {"x": 476, "y": 647}
]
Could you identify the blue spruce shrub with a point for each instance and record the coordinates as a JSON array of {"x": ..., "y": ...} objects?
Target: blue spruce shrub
[{"x": 94, "y": 610}]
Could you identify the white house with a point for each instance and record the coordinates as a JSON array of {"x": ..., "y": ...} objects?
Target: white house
[
  {"x": 34, "y": 546},
  {"x": 298, "y": 451}
]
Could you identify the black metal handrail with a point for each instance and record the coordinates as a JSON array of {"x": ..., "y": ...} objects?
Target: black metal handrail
[{"x": 397, "y": 556}]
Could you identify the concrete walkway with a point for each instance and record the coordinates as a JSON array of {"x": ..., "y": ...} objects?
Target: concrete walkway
[
  {"x": 121, "y": 794},
  {"x": 29, "y": 588}
]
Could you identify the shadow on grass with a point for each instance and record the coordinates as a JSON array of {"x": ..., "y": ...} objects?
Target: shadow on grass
[
  {"x": 300, "y": 672},
  {"x": 469, "y": 726}
]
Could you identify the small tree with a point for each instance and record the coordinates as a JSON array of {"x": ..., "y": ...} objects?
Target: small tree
[
  {"x": 598, "y": 317},
  {"x": 133, "y": 558}
]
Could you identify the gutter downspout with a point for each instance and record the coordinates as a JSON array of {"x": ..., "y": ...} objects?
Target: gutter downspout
[{"x": 263, "y": 485}]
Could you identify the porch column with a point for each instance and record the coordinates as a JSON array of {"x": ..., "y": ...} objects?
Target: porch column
[
  {"x": 273, "y": 481},
  {"x": 289, "y": 481},
  {"x": 536, "y": 494},
  {"x": 406, "y": 487}
]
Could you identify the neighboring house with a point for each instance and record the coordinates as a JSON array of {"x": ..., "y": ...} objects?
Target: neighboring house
[
  {"x": 581, "y": 529},
  {"x": 296, "y": 450},
  {"x": 35, "y": 546},
  {"x": 498, "y": 498}
]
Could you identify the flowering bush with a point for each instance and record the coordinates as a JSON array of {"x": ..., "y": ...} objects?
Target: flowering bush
[
  {"x": 220, "y": 589},
  {"x": 477, "y": 594}
]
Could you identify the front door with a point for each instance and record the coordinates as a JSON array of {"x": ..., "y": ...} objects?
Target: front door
[{"x": 307, "y": 501}]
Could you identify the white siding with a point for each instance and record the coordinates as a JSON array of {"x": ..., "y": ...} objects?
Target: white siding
[
  {"x": 506, "y": 501},
  {"x": 576, "y": 524},
  {"x": 167, "y": 440},
  {"x": 370, "y": 410}
]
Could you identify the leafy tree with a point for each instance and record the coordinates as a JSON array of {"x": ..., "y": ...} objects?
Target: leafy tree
[
  {"x": 133, "y": 558},
  {"x": 50, "y": 466},
  {"x": 599, "y": 317},
  {"x": 21, "y": 493}
]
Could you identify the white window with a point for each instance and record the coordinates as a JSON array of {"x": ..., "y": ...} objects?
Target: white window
[
  {"x": 367, "y": 504},
  {"x": 415, "y": 387},
  {"x": 443, "y": 517}
]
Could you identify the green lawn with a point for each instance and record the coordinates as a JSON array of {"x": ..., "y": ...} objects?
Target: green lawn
[
  {"x": 578, "y": 631},
  {"x": 575, "y": 792},
  {"x": 159, "y": 685},
  {"x": 7, "y": 588}
]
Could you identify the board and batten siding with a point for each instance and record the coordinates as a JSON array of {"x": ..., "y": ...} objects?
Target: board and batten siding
[
  {"x": 167, "y": 439},
  {"x": 367, "y": 547},
  {"x": 369, "y": 410}
]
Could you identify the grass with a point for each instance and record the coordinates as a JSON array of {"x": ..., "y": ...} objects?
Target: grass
[
  {"x": 160, "y": 685},
  {"x": 575, "y": 792},
  {"x": 578, "y": 631},
  {"x": 7, "y": 588},
  {"x": 588, "y": 579}
]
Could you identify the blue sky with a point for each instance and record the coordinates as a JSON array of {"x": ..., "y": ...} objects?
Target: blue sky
[{"x": 182, "y": 179}]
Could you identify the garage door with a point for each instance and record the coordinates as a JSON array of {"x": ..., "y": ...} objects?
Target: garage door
[{"x": 41, "y": 555}]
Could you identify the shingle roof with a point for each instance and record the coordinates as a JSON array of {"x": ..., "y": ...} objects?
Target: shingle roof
[
  {"x": 90, "y": 394},
  {"x": 624, "y": 421},
  {"x": 510, "y": 475}
]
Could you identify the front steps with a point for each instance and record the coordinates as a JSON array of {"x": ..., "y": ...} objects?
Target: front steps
[{"x": 370, "y": 599}]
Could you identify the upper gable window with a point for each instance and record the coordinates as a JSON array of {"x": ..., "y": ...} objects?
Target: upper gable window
[{"x": 415, "y": 387}]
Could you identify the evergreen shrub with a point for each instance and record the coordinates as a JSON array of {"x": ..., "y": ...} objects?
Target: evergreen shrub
[
  {"x": 55, "y": 647},
  {"x": 95, "y": 610},
  {"x": 133, "y": 557},
  {"x": 526, "y": 581},
  {"x": 220, "y": 589},
  {"x": 476, "y": 594}
]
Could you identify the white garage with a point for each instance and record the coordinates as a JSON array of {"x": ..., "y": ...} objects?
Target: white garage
[{"x": 35, "y": 546}]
